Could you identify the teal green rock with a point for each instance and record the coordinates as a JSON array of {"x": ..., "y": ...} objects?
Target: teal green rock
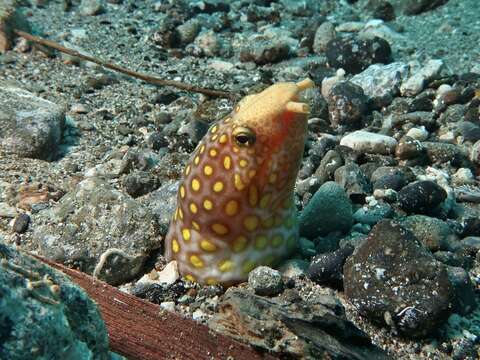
[
  {"x": 43, "y": 315},
  {"x": 328, "y": 211}
]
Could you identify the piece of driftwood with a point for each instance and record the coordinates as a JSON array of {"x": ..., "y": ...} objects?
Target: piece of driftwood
[
  {"x": 141, "y": 330},
  {"x": 142, "y": 76}
]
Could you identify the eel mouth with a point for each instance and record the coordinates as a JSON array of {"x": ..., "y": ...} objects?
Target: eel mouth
[{"x": 300, "y": 107}]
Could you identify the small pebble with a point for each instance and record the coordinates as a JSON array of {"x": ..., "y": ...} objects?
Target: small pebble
[
  {"x": 265, "y": 281},
  {"x": 20, "y": 223},
  {"x": 421, "y": 197}
]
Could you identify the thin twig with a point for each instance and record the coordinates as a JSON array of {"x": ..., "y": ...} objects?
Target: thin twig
[{"x": 142, "y": 76}]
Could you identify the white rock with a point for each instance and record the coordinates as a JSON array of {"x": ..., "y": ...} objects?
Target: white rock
[
  {"x": 328, "y": 82},
  {"x": 350, "y": 26},
  {"x": 378, "y": 80},
  {"x": 419, "y": 134},
  {"x": 449, "y": 136},
  {"x": 442, "y": 89},
  {"x": 463, "y": 176},
  {"x": 415, "y": 83},
  {"x": 378, "y": 28},
  {"x": 199, "y": 315},
  {"x": 221, "y": 66},
  {"x": 79, "y": 109},
  {"x": 78, "y": 34},
  {"x": 7, "y": 211},
  {"x": 168, "y": 305},
  {"x": 475, "y": 69},
  {"x": 168, "y": 275},
  {"x": 365, "y": 141},
  {"x": 475, "y": 152}
]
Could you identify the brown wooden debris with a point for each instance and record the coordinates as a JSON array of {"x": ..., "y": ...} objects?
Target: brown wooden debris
[
  {"x": 142, "y": 330},
  {"x": 142, "y": 76}
]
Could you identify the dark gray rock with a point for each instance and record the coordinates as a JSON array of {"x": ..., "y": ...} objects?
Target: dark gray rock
[
  {"x": 415, "y": 7},
  {"x": 422, "y": 102},
  {"x": 354, "y": 182},
  {"x": 290, "y": 326},
  {"x": 327, "y": 268},
  {"x": 471, "y": 241},
  {"x": 418, "y": 118},
  {"x": 355, "y": 55},
  {"x": 421, "y": 197},
  {"x": 463, "y": 257},
  {"x": 139, "y": 183},
  {"x": 381, "y": 9},
  {"x": 433, "y": 233},
  {"x": 469, "y": 130},
  {"x": 346, "y": 104},
  {"x": 43, "y": 315},
  {"x": 324, "y": 33},
  {"x": 439, "y": 153},
  {"x": 194, "y": 129},
  {"x": 328, "y": 165},
  {"x": 99, "y": 230},
  {"x": 390, "y": 177},
  {"x": 161, "y": 203},
  {"x": 329, "y": 210},
  {"x": 265, "y": 281},
  {"x": 470, "y": 227},
  {"x": 465, "y": 349},
  {"x": 21, "y": 222},
  {"x": 31, "y": 126},
  {"x": 156, "y": 140},
  {"x": 306, "y": 247},
  {"x": 408, "y": 148},
  {"x": 265, "y": 52},
  {"x": 464, "y": 300},
  {"x": 392, "y": 279},
  {"x": 453, "y": 114}
]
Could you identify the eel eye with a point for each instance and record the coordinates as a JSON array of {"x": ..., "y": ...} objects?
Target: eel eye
[{"x": 244, "y": 136}]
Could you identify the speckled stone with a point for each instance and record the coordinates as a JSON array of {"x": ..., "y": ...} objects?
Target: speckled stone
[
  {"x": 265, "y": 281},
  {"x": 377, "y": 280},
  {"x": 354, "y": 54}
]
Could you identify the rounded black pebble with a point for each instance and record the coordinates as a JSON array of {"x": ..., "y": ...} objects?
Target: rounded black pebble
[
  {"x": 421, "y": 197},
  {"x": 139, "y": 183},
  {"x": 327, "y": 268},
  {"x": 347, "y": 104},
  {"x": 20, "y": 224},
  {"x": 470, "y": 227},
  {"x": 354, "y": 55}
]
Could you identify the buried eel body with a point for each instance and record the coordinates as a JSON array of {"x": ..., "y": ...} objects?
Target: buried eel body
[{"x": 235, "y": 204}]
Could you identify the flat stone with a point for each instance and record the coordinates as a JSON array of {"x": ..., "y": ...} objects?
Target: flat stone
[
  {"x": 31, "y": 126},
  {"x": 419, "y": 77},
  {"x": 311, "y": 328},
  {"x": 364, "y": 141},
  {"x": 98, "y": 229}
]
